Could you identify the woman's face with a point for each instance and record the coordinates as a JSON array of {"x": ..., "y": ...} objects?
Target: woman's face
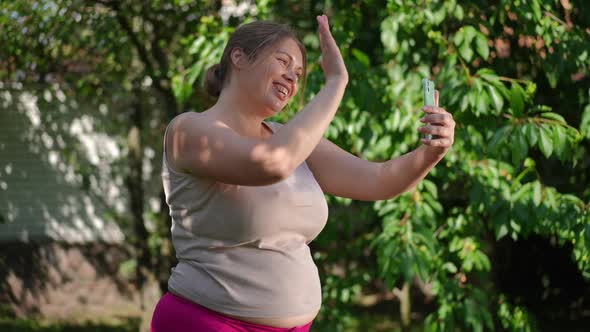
[{"x": 273, "y": 79}]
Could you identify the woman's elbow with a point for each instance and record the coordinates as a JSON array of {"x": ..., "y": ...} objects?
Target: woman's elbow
[{"x": 276, "y": 164}]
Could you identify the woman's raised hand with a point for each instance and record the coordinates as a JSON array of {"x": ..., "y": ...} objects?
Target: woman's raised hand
[{"x": 331, "y": 62}]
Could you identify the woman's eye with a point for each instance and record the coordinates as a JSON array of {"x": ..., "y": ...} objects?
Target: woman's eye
[{"x": 283, "y": 61}]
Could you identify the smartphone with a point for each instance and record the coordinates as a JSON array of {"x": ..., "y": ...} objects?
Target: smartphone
[{"x": 428, "y": 90}]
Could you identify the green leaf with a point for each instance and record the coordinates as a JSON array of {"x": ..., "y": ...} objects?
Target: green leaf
[
  {"x": 585, "y": 123},
  {"x": 482, "y": 261},
  {"x": 194, "y": 72},
  {"x": 468, "y": 263},
  {"x": 501, "y": 231},
  {"x": 552, "y": 77},
  {"x": 421, "y": 261},
  {"x": 542, "y": 108},
  {"x": 470, "y": 33},
  {"x": 553, "y": 116},
  {"x": 482, "y": 102},
  {"x": 515, "y": 226},
  {"x": 499, "y": 137},
  {"x": 546, "y": 141},
  {"x": 450, "y": 267},
  {"x": 459, "y": 13},
  {"x": 361, "y": 57},
  {"x": 389, "y": 28},
  {"x": 537, "y": 193},
  {"x": 466, "y": 52},
  {"x": 430, "y": 187},
  {"x": 517, "y": 96},
  {"x": 515, "y": 197},
  {"x": 458, "y": 37},
  {"x": 481, "y": 45},
  {"x": 531, "y": 88},
  {"x": 197, "y": 44},
  {"x": 559, "y": 140},
  {"x": 496, "y": 98},
  {"x": 519, "y": 148},
  {"x": 488, "y": 75},
  {"x": 180, "y": 89},
  {"x": 532, "y": 133},
  {"x": 407, "y": 265}
]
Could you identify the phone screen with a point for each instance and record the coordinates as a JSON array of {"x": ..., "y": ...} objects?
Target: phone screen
[{"x": 428, "y": 89}]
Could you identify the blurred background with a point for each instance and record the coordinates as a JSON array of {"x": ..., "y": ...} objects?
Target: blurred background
[{"x": 497, "y": 238}]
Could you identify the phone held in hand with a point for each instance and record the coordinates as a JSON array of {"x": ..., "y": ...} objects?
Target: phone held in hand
[{"x": 428, "y": 90}]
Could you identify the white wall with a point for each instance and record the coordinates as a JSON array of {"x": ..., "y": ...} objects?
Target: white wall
[{"x": 42, "y": 196}]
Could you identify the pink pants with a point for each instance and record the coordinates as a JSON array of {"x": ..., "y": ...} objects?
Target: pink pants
[{"x": 174, "y": 314}]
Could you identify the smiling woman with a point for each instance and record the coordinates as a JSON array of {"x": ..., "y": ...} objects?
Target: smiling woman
[
  {"x": 250, "y": 40},
  {"x": 246, "y": 197},
  {"x": 243, "y": 201}
]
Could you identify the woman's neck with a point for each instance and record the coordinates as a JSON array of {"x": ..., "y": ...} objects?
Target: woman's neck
[{"x": 239, "y": 112}]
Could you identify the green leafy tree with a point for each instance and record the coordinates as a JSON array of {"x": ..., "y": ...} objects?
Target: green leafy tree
[{"x": 513, "y": 73}]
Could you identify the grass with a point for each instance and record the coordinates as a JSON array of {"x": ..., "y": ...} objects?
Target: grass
[
  {"x": 362, "y": 323},
  {"x": 33, "y": 325}
]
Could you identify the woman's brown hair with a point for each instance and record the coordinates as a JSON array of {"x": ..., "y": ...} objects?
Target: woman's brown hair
[{"x": 252, "y": 39}]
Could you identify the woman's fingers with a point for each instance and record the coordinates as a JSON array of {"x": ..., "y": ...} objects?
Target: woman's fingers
[
  {"x": 327, "y": 41},
  {"x": 321, "y": 32},
  {"x": 324, "y": 25},
  {"x": 436, "y": 98},
  {"x": 439, "y": 131},
  {"x": 433, "y": 109},
  {"x": 438, "y": 142},
  {"x": 331, "y": 59},
  {"x": 445, "y": 119},
  {"x": 439, "y": 125}
]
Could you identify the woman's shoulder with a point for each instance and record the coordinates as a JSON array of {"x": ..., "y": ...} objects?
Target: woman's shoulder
[
  {"x": 194, "y": 122},
  {"x": 189, "y": 117}
]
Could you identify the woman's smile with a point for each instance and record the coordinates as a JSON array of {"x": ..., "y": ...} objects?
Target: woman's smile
[{"x": 282, "y": 90}]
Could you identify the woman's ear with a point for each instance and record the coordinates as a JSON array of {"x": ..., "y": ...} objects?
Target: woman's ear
[{"x": 238, "y": 57}]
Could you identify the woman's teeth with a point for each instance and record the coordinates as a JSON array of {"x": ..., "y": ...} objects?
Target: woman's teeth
[{"x": 282, "y": 90}]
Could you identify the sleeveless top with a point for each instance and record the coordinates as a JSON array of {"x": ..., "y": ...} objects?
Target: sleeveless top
[{"x": 243, "y": 250}]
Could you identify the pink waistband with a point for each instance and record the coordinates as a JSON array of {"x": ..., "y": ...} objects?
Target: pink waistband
[{"x": 174, "y": 313}]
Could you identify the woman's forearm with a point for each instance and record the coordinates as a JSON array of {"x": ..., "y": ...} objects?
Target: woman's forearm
[
  {"x": 405, "y": 172},
  {"x": 302, "y": 134},
  {"x": 298, "y": 138}
]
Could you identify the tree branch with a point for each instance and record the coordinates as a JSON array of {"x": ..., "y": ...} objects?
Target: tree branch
[
  {"x": 144, "y": 56},
  {"x": 126, "y": 26}
]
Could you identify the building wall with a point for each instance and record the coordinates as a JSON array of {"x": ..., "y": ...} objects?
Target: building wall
[
  {"x": 63, "y": 256},
  {"x": 41, "y": 195}
]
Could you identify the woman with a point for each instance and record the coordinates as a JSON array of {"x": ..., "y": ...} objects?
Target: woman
[{"x": 246, "y": 196}]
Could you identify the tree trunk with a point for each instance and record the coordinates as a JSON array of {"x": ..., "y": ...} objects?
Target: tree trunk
[
  {"x": 405, "y": 306},
  {"x": 167, "y": 258},
  {"x": 136, "y": 194}
]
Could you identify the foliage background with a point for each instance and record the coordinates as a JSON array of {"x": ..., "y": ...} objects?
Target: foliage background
[{"x": 498, "y": 235}]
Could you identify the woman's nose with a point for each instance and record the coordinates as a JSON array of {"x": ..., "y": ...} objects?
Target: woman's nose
[{"x": 290, "y": 75}]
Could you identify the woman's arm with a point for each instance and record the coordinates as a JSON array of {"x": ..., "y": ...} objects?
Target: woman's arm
[
  {"x": 217, "y": 152},
  {"x": 343, "y": 174}
]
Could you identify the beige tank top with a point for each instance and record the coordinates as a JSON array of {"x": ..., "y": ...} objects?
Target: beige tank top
[{"x": 243, "y": 250}]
